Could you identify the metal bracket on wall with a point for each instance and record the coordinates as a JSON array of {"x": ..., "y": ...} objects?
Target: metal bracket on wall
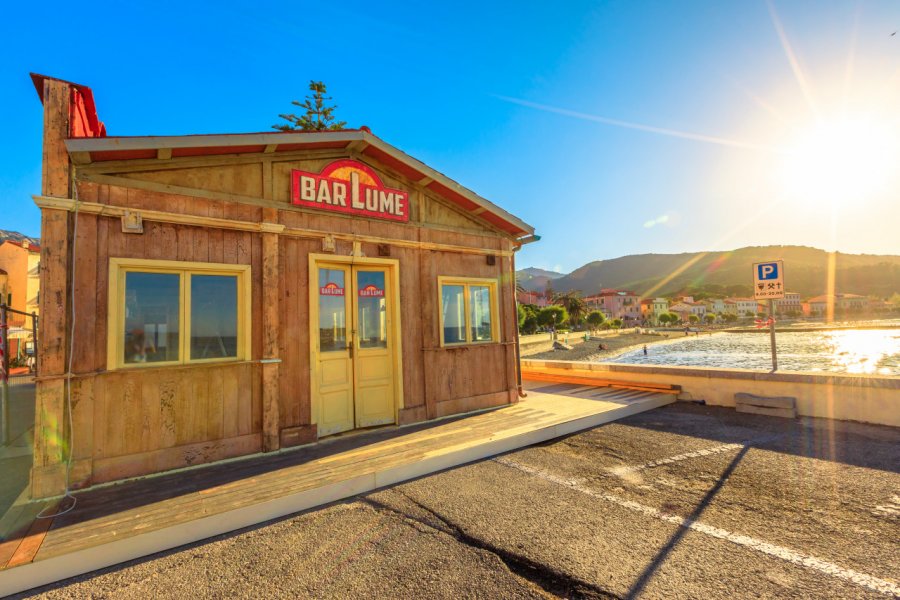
[{"x": 132, "y": 222}]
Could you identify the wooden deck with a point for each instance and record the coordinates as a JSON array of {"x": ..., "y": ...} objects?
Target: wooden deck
[{"x": 121, "y": 522}]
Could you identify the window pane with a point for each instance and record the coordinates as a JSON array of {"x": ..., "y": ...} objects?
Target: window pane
[
  {"x": 453, "y": 309},
  {"x": 480, "y": 312},
  {"x": 332, "y": 311},
  {"x": 151, "y": 317},
  {"x": 371, "y": 309},
  {"x": 214, "y": 316}
]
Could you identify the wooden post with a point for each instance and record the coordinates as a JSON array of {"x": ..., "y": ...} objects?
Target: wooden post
[
  {"x": 4, "y": 378},
  {"x": 270, "y": 397},
  {"x": 48, "y": 473}
]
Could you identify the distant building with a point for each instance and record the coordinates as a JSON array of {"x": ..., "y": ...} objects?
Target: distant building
[
  {"x": 686, "y": 307},
  {"x": 21, "y": 262},
  {"x": 716, "y": 305},
  {"x": 528, "y": 297},
  {"x": 790, "y": 303},
  {"x": 743, "y": 306},
  {"x": 618, "y": 304},
  {"x": 4, "y": 287},
  {"x": 651, "y": 308},
  {"x": 877, "y": 305},
  {"x": 818, "y": 305}
]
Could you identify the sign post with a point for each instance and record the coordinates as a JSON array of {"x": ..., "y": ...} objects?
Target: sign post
[{"x": 768, "y": 284}]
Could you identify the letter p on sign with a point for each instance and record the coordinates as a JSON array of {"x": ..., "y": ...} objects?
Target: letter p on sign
[{"x": 767, "y": 271}]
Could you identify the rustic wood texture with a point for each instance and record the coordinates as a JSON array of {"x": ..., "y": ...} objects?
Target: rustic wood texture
[
  {"x": 55, "y": 169},
  {"x": 50, "y": 439},
  {"x": 160, "y": 418},
  {"x": 271, "y": 275},
  {"x": 580, "y": 377}
]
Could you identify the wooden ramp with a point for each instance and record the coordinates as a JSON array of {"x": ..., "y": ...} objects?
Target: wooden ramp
[
  {"x": 592, "y": 378},
  {"x": 117, "y": 523}
]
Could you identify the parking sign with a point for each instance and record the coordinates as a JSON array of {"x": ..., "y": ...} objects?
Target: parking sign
[{"x": 768, "y": 280}]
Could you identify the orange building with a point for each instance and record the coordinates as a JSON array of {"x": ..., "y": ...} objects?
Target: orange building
[{"x": 21, "y": 262}]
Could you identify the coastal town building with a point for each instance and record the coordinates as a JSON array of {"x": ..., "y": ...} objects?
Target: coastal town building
[
  {"x": 617, "y": 304},
  {"x": 21, "y": 262},
  {"x": 715, "y": 306},
  {"x": 686, "y": 306},
  {"x": 651, "y": 308},
  {"x": 744, "y": 306},
  {"x": 820, "y": 306},
  {"x": 788, "y": 305},
  {"x": 242, "y": 293},
  {"x": 538, "y": 299},
  {"x": 5, "y": 295}
]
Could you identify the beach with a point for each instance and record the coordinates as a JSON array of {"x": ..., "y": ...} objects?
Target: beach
[{"x": 613, "y": 345}]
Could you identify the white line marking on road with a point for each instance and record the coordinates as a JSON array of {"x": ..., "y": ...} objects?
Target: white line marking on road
[
  {"x": 889, "y": 509},
  {"x": 673, "y": 459},
  {"x": 861, "y": 579},
  {"x": 625, "y": 470}
]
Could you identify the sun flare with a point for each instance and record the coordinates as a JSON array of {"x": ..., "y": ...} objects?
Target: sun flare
[{"x": 842, "y": 161}]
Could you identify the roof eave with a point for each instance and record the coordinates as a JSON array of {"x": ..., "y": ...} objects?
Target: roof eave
[{"x": 80, "y": 146}]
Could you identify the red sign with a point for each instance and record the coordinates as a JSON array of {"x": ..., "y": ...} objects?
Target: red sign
[
  {"x": 349, "y": 187},
  {"x": 331, "y": 289},
  {"x": 370, "y": 291}
]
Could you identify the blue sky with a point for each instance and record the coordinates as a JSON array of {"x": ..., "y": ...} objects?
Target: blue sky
[{"x": 614, "y": 128}]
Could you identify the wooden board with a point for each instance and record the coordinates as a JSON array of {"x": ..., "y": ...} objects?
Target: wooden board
[{"x": 587, "y": 378}]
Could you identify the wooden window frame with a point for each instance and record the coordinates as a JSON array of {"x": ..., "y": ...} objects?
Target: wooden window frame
[
  {"x": 466, "y": 282},
  {"x": 119, "y": 267}
]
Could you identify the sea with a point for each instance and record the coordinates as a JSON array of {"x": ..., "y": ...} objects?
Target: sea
[{"x": 873, "y": 350}]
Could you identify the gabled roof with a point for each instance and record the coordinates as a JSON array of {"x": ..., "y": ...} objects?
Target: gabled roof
[
  {"x": 90, "y": 144},
  {"x": 98, "y": 149},
  {"x": 31, "y": 247}
]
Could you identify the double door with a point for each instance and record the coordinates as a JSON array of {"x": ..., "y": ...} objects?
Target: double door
[{"x": 354, "y": 350}]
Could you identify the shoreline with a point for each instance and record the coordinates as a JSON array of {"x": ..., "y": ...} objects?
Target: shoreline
[
  {"x": 616, "y": 345},
  {"x": 817, "y": 327}
]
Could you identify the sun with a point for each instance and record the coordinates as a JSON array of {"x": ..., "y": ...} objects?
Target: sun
[{"x": 842, "y": 161}]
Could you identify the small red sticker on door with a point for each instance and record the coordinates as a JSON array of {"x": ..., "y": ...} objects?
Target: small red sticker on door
[
  {"x": 370, "y": 291},
  {"x": 331, "y": 289}
]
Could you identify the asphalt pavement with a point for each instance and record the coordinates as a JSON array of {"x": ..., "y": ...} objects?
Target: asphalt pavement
[{"x": 685, "y": 501}]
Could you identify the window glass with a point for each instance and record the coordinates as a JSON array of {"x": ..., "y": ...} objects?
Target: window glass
[
  {"x": 332, "y": 310},
  {"x": 151, "y": 317},
  {"x": 371, "y": 309},
  {"x": 453, "y": 309},
  {"x": 480, "y": 313},
  {"x": 214, "y": 316}
]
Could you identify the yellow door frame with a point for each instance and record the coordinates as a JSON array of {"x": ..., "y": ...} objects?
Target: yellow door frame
[{"x": 393, "y": 275}]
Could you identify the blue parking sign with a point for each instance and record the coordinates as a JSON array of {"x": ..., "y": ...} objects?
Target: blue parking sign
[{"x": 766, "y": 271}]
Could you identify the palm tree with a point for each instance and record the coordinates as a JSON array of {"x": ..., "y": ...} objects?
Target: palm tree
[{"x": 573, "y": 303}]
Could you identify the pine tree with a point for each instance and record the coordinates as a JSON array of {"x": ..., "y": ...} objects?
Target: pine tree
[{"x": 318, "y": 117}]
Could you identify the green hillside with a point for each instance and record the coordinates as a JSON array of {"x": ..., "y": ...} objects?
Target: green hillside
[{"x": 730, "y": 272}]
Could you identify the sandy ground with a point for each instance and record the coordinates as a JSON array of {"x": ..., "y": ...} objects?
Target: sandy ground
[
  {"x": 685, "y": 501},
  {"x": 613, "y": 346}
]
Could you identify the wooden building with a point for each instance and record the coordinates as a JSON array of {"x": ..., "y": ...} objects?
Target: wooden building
[{"x": 236, "y": 294}]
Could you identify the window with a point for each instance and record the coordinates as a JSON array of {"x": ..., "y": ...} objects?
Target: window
[
  {"x": 468, "y": 311},
  {"x": 168, "y": 312}
]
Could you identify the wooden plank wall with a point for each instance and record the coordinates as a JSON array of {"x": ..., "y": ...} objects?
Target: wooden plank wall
[{"x": 146, "y": 420}]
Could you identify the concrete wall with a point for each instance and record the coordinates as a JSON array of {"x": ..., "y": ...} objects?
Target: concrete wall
[{"x": 865, "y": 398}]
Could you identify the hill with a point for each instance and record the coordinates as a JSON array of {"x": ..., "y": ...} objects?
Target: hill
[
  {"x": 729, "y": 273},
  {"x": 15, "y": 236},
  {"x": 536, "y": 279}
]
